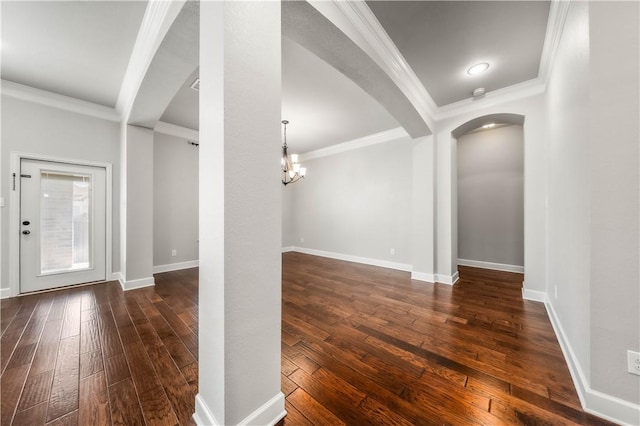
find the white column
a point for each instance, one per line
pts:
(424, 190)
(446, 209)
(136, 209)
(240, 214)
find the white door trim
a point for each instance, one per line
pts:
(14, 213)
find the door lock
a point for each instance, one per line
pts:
(26, 222)
(26, 232)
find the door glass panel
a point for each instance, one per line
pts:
(65, 222)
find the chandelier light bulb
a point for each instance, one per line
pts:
(292, 171)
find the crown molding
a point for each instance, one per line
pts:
(177, 131)
(511, 93)
(376, 138)
(558, 12)
(54, 100)
(359, 23)
(158, 18)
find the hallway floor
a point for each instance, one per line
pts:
(361, 345)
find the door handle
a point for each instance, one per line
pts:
(26, 232)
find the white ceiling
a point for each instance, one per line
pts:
(81, 49)
(184, 109)
(78, 49)
(323, 106)
(441, 39)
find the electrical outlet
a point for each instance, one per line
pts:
(633, 362)
(393, 252)
(555, 290)
(174, 252)
(301, 240)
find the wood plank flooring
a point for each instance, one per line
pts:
(360, 346)
(368, 346)
(94, 355)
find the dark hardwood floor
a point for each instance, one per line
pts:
(367, 346)
(360, 346)
(95, 355)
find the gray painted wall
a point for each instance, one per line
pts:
(491, 196)
(593, 193)
(614, 168)
(357, 203)
(37, 129)
(175, 200)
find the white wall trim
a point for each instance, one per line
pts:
(54, 100)
(595, 402)
(176, 266)
(116, 276)
(376, 138)
(270, 413)
(423, 276)
(555, 26)
(203, 416)
(5, 293)
(357, 259)
(139, 283)
(448, 279)
(491, 265)
(511, 93)
(158, 17)
(14, 212)
(534, 295)
(177, 131)
(288, 249)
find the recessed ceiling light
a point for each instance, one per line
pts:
(478, 68)
(488, 125)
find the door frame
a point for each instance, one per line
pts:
(14, 212)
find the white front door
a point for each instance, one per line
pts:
(62, 224)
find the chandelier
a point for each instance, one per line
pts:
(291, 169)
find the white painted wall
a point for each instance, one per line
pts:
(593, 203)
(240, 214)
(175, 200)
(491, 196)
(614, 168)
(568, 177)
(534, 128)
(38, 129)
(357, 203)
(137, 206)
(288, 215)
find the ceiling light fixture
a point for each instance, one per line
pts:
(478, 68)
(488, 125)
(292, 171)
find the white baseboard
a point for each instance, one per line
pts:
(534, 295)
(5, 293)
(269, 413)
(116, 276)
(357, 259)
(204, 416)
(133, 284)
(595, 402)
(423, 276)
(448, 279)
(491, 265)
(288, 249)
(176, 266)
